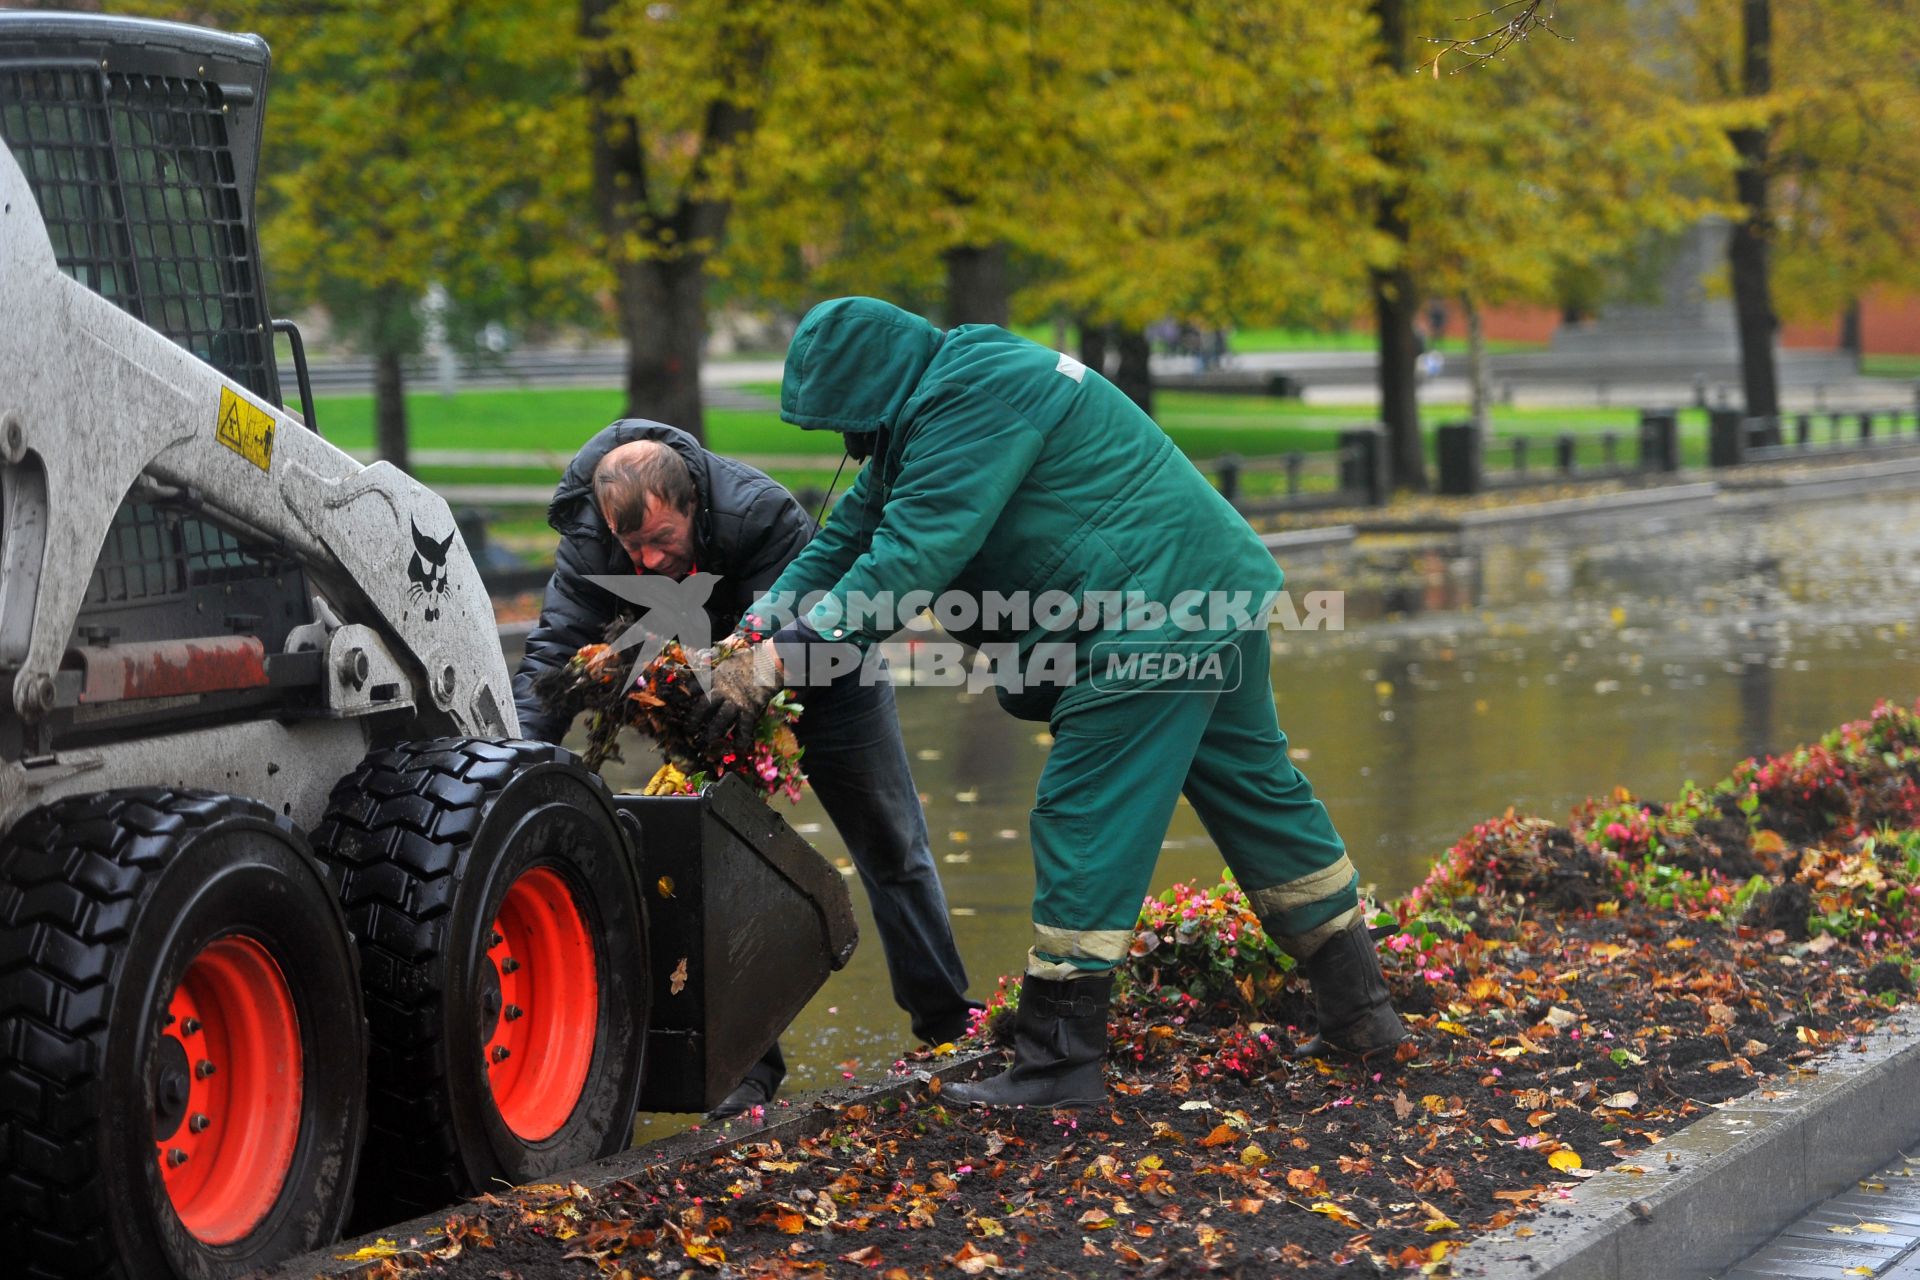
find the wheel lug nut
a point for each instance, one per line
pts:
(495, 938)
(514, 1012)
(191, 1026)
(175, 1158)
(198, 1124)
(204, 1069)
(509, 965)
(501, 1053)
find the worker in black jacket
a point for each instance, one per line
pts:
(643, 497)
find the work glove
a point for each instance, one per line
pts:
(738, 690)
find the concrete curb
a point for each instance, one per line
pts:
(1723, 1186)
(807, 1115)
(1756, 488)
(1325, 537)
(1631, 502)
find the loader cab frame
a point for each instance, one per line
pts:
(141, 142)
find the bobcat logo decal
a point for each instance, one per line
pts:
(427, 572)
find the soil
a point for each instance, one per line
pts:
(1571, 1004)
(1578, 1032)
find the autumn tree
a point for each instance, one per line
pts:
(1545, 160)
(399, 151)
(674, 94)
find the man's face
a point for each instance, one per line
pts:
(662, 543)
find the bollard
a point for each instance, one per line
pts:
(1564, 449)
(1462, 464)
(1363, 463)
(1520, 455)
(1803, 430)
(1295, 461)
(1609, 448)
(1726, 438)
(1227, 467)
(1659, 440)
(1833, 427)
(1765, 430)
(1866, 427)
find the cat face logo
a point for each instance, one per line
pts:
(427, 572)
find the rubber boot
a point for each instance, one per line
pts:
(757, 1090)
(1059, 1048)
(1350, 997)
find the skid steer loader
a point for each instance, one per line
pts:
(292, 926)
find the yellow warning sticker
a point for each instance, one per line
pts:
(245, 429)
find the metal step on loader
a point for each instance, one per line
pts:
(293, 928)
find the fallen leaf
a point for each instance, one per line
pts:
(1621, 1101)
(380, 1248)
(677, 980)
(1565, 1159)
(1221, 1135)
(1442, 1223)
(1874, 1227)
(1338, 1214)
(973, 1262)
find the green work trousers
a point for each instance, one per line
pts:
(1108, 791)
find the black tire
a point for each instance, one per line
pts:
(105, 901)
(424, 840)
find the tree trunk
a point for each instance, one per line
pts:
(662, 290)
(1747, 248)
(390, 409)
(663, 316)
(1852, 333)
(1394, 303)
(977, 285)
(1135, 374)
(1093, 347)
(1476, 364)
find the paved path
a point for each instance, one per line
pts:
(1870, 1229)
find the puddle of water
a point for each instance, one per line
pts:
(1529, 670)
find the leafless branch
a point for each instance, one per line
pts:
(1497, 29)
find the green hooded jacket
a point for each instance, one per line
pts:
(1008, 468)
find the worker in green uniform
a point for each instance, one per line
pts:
(1017, 476)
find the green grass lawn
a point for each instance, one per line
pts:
(559, 420)
(1890, 366)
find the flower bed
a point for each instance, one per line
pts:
(1578, 993)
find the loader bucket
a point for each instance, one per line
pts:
(745, 922)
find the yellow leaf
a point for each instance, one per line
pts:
(1875, 1227)
(1454, 1027)
(1252, 1155)
(1442, 1224)
(1565, 1159)
(1841, 1231)
(1338, 1214)
(380, 1248)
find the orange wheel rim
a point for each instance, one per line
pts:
(226, 1090)
(540, 1003)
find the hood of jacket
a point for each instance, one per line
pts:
(572, 512)
(853, 365)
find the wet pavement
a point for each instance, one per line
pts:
(1871, 1229)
